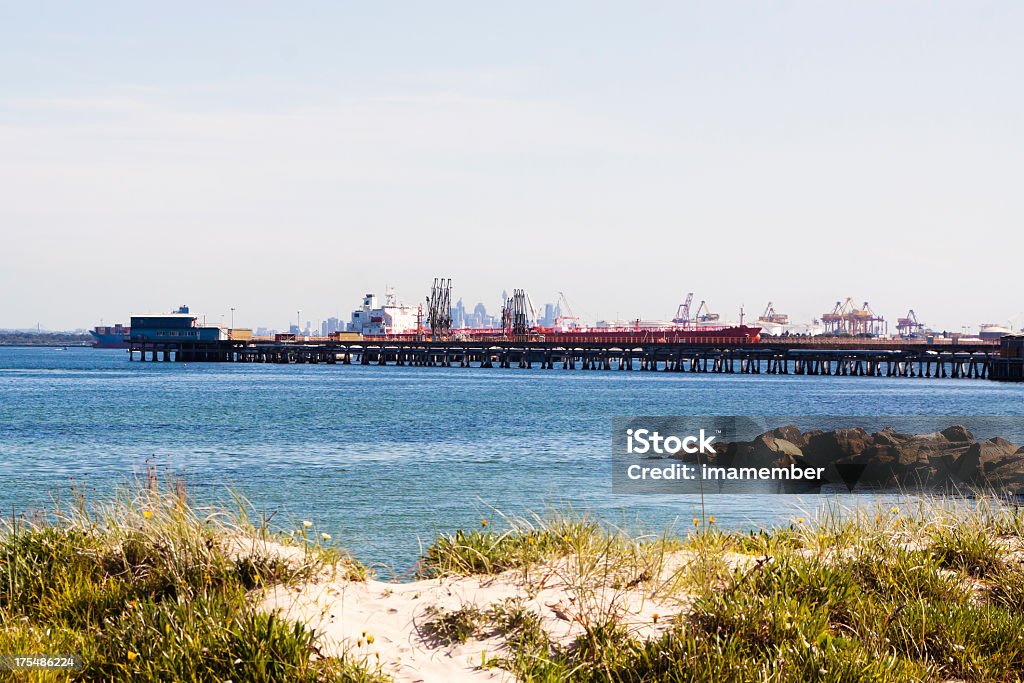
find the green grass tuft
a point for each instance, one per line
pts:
(932, 590)
(972, 549)
(145, 587)
(455, 626)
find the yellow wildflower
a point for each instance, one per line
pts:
(132, 655)
(148, 514)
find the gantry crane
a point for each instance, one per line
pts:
(570, 321)
(909, 325)
(683, 312)
(704, 314)
(770, 316)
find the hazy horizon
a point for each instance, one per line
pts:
(273, 158)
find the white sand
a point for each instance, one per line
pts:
(346, 613)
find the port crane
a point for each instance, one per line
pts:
(683, 312)
(563, 321)
(909, 325)
(707, 316)
(846, 319)
(770, 316)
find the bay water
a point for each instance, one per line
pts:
(385, 458)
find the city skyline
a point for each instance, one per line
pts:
(796, 153)
(315, 320)
(480, 314)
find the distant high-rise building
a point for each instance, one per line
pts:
(459, 315)
(480, 317)
(549, 316)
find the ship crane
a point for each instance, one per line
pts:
(683, 312)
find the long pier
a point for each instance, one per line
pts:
(843, 358)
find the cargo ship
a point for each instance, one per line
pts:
(107, 337)
(396, 322)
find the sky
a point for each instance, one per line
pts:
(276, 157)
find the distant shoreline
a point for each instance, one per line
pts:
(22, 338)
(76, 344)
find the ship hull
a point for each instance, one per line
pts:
(109, 339)
(633, 336)
(739, 334)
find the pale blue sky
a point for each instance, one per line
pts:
(277, 156)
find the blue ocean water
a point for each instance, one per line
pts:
(384, 458)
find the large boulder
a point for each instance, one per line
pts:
(881, 467)
(806, 437)
(770, 445)
(889, 458)
(790, 433)
(983, 457)
(828, 447)
(764, 451)
(920, 449)
(890, 437)
(927, 474)
(957, 434)
(1008, 474)
(1000, 445)
(788, 448)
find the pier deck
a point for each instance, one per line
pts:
(838, 357)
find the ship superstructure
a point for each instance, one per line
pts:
(393, 317)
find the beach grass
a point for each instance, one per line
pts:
(928, 590)
(146, 587)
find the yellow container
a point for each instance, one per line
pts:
(345, 336)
